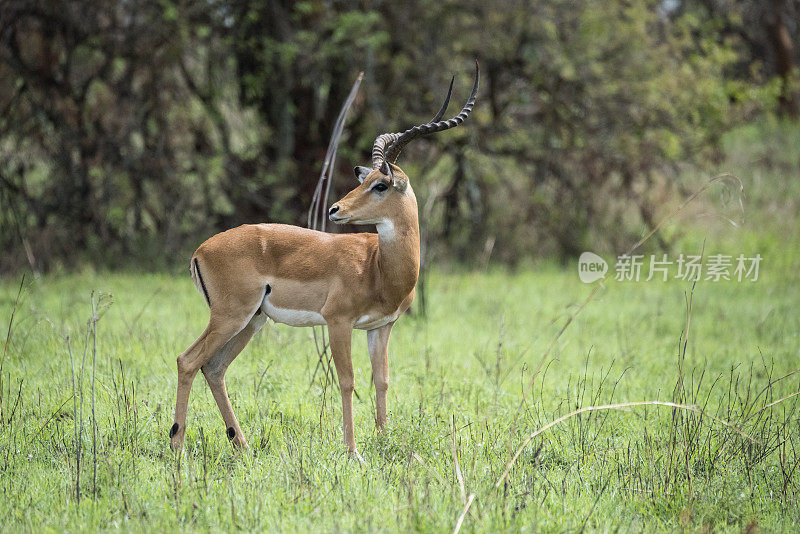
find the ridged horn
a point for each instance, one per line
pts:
(399, 142)
(379, 148)
(390, 143)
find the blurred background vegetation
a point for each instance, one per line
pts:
(132, 130)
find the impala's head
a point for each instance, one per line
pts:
(385, 191)
(380, 196)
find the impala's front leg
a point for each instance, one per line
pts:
(378, 343)
(340, 335)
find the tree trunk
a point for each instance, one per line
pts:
(784, 57)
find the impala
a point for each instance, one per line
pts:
(302, 277)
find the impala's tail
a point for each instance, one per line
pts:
(197, 278)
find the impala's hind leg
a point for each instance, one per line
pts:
(214, 371)
(221, 328)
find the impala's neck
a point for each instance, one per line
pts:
(398, 248)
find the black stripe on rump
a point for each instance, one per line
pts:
(202, 284)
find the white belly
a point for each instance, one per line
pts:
(311, 318)
(291, 317)
(370, 322)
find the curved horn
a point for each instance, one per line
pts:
(384, 140)
(440, 114)
(434, 126)
(379, 148)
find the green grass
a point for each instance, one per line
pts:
(457, 381)
(463, 365)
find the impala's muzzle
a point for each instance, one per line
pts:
(332, 215)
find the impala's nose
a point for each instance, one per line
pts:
(335, 215)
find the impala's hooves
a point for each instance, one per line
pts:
(175, 437)
(237, 439)
(355, 456)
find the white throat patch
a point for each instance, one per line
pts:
(385, 229)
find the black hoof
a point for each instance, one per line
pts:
(231, 433)
(173, 430)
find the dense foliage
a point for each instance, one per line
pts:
(132, 130)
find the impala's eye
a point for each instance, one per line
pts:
(380, 187)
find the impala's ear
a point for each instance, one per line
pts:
(361, 173)
(400, 183)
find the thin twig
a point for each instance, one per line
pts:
(464, 513)
(768, 386)
(771, 404)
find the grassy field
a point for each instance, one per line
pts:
(458, 411)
